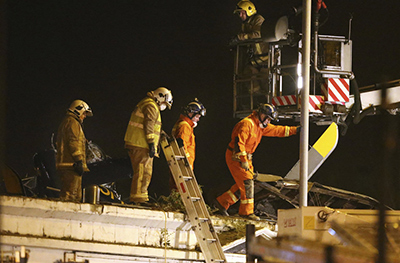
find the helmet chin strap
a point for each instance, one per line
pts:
(262, 125)
(193, 115)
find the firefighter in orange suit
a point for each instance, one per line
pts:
(245, 138)
(71, 151)
(183, 129)
(142, 138)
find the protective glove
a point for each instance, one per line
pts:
(78, 167)
(245, 165)
(298, 129)
(152, 150)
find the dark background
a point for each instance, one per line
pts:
(110, 53)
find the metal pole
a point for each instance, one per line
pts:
(250, 236)
(3, 83)
(306, 40)
(388, 135)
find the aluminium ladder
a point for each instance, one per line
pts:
(192, 198)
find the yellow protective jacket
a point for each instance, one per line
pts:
(144, 125)
(183, 129)
(251, 28)
(247, 134)
(71, 143)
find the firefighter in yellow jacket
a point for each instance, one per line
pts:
(183, 129)
(258, 53)
(251, 26)
(142, 138)
(246, 136)
(71, 151)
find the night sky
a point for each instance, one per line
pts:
(110, 53)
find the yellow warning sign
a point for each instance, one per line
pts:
(309, 222)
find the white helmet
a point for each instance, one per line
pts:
(163, 98)
(78, 107)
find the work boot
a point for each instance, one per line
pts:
(251, 217)
(221, 209)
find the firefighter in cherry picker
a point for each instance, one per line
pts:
(246, 136)
(71, 151)
(142, 138)
(257, 61)
(184, 130)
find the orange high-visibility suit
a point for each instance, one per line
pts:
(246, 136)
(183, 129)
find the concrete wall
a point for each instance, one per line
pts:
(54, 231)
(58, 227)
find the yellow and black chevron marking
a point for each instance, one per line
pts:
(317, 155)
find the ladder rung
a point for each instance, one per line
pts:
(201, 225)
(195, 198)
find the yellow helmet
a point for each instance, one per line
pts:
(247, 6)
(79, 107)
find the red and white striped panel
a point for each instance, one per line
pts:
(314, 102)
(284, 100)
(336, 89)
